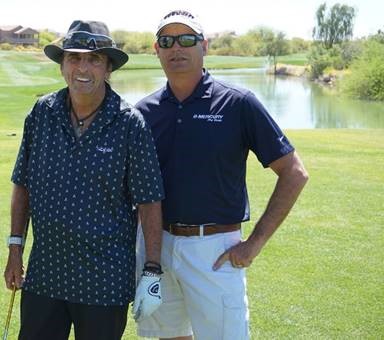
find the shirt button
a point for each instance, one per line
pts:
(180, 106)
(179, 120)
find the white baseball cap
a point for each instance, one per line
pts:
(181, 17)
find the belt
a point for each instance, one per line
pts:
(197, 230)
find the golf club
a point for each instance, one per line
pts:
(8, 320)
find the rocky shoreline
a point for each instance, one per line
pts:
(327, 79)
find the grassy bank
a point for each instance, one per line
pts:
(320, 276)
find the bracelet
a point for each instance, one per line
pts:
(150, 274)
(153, 267)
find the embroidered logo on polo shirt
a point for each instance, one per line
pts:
(104, 149)
(209, 118)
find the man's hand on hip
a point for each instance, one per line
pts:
(240, 255)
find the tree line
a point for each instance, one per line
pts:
(332, 48)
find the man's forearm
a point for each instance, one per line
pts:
(288, 187)
(19, 209)
(151, 222)
(13, 274)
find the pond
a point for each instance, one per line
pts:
(293, 102)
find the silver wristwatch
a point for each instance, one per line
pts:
(16, 240)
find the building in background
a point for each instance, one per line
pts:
(19, 35)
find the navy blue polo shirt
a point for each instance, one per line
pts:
(82, 193)
(203, 144)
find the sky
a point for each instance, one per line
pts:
(296, 18)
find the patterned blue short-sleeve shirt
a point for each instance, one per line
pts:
(82, 193)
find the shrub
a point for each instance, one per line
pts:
(366, 80)
(319, 60)
(6, 47)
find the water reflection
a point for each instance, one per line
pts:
(133, 85)
(293, 102)
(329, 111)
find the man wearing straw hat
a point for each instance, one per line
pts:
(86, 168)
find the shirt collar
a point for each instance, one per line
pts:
(112, 106)
(56, 102)
(203, 89)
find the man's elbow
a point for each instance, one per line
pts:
(301, 176)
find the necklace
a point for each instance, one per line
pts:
(79, 128)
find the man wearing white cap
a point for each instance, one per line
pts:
(204, 130)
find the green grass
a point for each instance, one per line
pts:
(142, 61)
(321, 276)
(299, 59)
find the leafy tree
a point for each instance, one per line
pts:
(379, 36)
(243, 46)
(119, 37)
(266, 42)
(334, 26)
(274, 45)
(134, 42)
(46, 37)
(366, 80)
(319, 60)
(222, 45)
(349, 51)
(298, 45)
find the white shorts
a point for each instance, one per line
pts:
(211, 303)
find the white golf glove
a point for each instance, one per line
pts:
(148, 296)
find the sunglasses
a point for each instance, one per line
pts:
(184, 40)
(85, 40)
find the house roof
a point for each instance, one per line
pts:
(26, 30)
(10, 28)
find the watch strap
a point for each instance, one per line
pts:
(16, 240)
